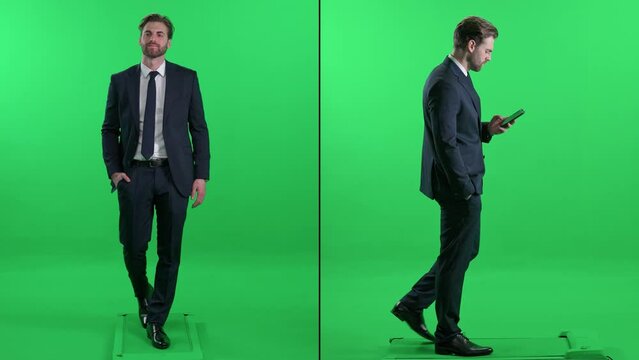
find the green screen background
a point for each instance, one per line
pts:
(559, 235)
(249, 260)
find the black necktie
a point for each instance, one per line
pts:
(148, 129)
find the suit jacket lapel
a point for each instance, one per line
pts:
(169, 91)
(476, 102)
(463, 80)
(133, 87)
(476, 99)
(465, 83)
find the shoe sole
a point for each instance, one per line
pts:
(396, 315)
(444, 352)
(403, 320)
(450, 352)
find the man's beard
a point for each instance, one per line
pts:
(476, 67)
(153, 52)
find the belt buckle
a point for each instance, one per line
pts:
(155, 163)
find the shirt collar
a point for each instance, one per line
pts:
(145, 70)
(461, 67)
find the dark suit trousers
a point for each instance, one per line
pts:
(152, 189)
(442, 284)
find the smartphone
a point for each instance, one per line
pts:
(512, 117)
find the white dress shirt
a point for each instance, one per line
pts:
(159, 150)
(461, 67)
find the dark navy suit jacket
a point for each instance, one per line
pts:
(183, 115)
(452, 158)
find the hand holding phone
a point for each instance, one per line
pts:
(512, 117)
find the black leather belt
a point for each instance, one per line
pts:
(150, 163)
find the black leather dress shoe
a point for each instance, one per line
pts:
(158, 337)
(143, 310)
(414, 319)
(143, 306)
(461, 346)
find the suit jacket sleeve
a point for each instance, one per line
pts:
(199, 133)
(443, 106)
(111, 146)
(485, 134)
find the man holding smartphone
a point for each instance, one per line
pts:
(452, 172)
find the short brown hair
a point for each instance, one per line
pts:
(157, 18)
(473, 28)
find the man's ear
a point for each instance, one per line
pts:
(168, 44)
(471, 46)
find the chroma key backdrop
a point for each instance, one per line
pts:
(249, 257)
(559, 238)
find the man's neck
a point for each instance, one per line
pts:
(153, 63)
(460, 56)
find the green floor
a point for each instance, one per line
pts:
(70, 311)
(568, 345)
(357, 323)
(132, 343)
